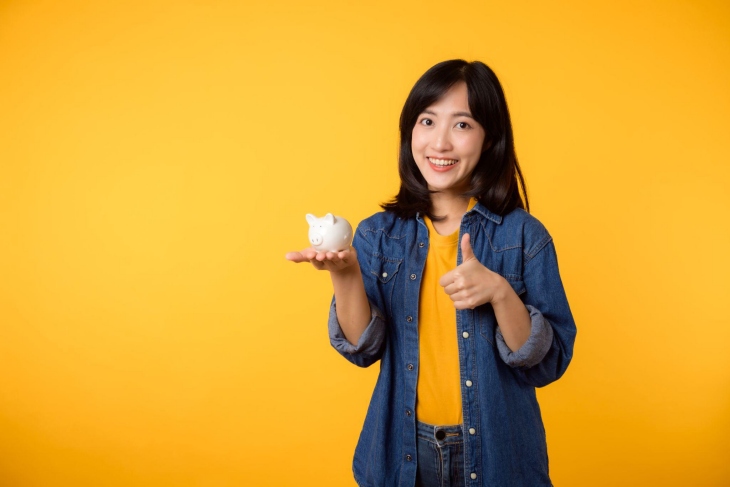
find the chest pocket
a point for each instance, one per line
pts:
(485, 315)
(384, 268)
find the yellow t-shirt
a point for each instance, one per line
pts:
(439, 383)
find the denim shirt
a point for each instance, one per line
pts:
(504, 437)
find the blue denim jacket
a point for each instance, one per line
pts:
(504, 435)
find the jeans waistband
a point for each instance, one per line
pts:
(442, 435)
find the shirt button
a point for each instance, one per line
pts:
(473, 476)
(409, 458)
(468, 383)
(385, 274)
(408, 412)
(413, 277)
(465, 334)
(409, 318)
(421, 244)
(472, 431)
(410, 367)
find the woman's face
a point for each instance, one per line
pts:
(447, 142)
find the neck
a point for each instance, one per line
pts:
(450, 206)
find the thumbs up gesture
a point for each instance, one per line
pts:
(471, 284)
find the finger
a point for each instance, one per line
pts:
(305, 255)
(296, 257)
(466, 251)
(348, 256)
(321, 256)
(446, 279)
(452, 288)
(309, 253)
(459, 296)
(461, 305)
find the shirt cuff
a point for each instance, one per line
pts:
(370, 340)
(536, 346)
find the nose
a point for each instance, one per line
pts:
(442, 139)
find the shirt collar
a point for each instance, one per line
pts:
(478, 208)
(483, 211)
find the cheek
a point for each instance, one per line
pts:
(418, 141)
(472, 146)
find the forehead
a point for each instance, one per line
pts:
(454, 102)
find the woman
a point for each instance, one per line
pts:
(455, 289)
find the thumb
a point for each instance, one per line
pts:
(466, 251)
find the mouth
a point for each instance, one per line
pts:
(442, 164)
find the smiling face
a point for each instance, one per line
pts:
(447, 142)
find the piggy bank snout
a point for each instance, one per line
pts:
(316, 239)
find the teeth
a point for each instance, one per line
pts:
(442, 162)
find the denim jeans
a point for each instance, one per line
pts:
(440, 452)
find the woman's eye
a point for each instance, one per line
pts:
(462, 125)
(426, 121)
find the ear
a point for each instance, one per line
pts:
(311, 219)
(329, 219)
(487, 145)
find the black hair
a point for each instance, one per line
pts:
(497, 180)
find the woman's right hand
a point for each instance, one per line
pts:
(335, 262)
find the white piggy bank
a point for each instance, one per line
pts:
(329, 233)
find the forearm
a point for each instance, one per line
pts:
(353, 308)
(512, 317)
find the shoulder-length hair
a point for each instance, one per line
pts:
(497, 180)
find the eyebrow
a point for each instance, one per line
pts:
(455, 114)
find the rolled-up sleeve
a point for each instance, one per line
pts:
(368, 348)
(548, 351)
(536, 346)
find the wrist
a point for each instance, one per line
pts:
(502, 292)
(349, 273)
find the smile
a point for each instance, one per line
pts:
(442, 162)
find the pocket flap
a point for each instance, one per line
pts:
(384, 268)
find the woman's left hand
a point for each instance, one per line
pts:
(471, 284)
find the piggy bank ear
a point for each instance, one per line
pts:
(329, 219)
(311, 219)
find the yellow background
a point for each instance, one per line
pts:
(156, 162)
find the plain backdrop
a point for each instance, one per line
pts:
(157, 159)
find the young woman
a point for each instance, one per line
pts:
(455, 289)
